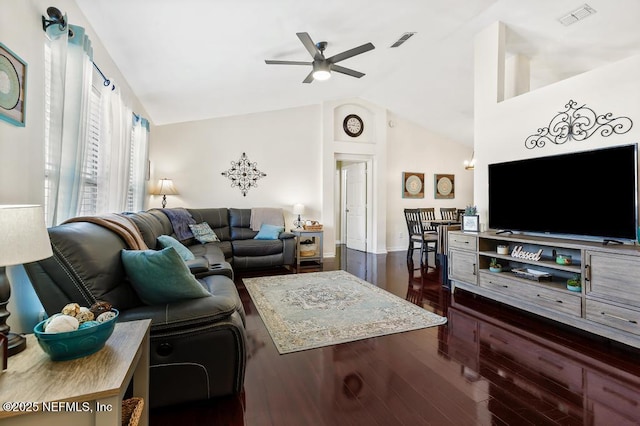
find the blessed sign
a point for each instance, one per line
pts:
(528, 255)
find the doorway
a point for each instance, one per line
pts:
(354, 212)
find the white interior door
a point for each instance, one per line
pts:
(356, 206)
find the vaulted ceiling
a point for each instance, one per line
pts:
(196, 59)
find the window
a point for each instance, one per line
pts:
(91, 164)
(95, 147)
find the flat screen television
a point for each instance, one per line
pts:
(589, 194)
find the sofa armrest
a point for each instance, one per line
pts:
(186, 314)
(220, 268)
(285, 235)
(198, 265)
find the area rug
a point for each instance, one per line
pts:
(312, 310)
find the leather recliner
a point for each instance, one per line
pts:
(197, 346)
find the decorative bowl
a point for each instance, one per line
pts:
(77, 343)
(563, 259)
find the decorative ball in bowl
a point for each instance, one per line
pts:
(69, 345)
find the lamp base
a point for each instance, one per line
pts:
(16, 343)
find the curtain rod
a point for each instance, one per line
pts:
(107, 82)
(57, 17)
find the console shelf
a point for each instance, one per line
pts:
(608, 303)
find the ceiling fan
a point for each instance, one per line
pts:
(322, 66)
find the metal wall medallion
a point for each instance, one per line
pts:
(244, 174)
(577, 123)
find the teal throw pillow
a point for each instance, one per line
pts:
(203, 233)
(160, 277)
(269, 232)
(167, 241)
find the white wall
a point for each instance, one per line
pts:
(370, 146)
(22, 148)
(285, 145)
(502, 127)
(415, 149)
(289, 145)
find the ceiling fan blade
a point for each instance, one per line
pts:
(347, 71)
(351, 52)
(275, 62)
(309, 78)
(305, 38)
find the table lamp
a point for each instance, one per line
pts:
(298, 209)
(24, 239)
(165, 187)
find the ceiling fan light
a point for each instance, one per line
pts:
(321, 71)
(321, 75)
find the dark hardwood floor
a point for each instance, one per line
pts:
(489, 365)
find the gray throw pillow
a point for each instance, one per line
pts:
(203, 233)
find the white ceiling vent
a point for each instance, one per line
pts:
(404, 37)
(577, 15)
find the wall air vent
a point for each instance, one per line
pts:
(404, 37)
(577, 15)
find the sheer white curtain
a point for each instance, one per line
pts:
(114, 168)
(96, 150)
(68, 85)
(139, 163)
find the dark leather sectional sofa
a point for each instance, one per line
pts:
(198, 346)
(232, 226)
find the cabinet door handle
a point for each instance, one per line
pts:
(619, 318)
(587, 272)
(474, 269)
(551, 299)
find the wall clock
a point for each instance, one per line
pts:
(353, 125)
(444, 186)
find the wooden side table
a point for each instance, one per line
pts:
(85, 391)
(302, 234)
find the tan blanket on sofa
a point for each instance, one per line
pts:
(268, 215)
(119, 224)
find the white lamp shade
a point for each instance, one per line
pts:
(298, 209)
(24, 236)
(165, 187)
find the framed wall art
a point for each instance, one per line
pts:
(470, 223)
(412, 185)
(13, 85)
(444, 186)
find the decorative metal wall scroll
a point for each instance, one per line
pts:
(577, 123)
(244, 174)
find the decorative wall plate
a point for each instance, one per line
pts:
(412, 185)
(444, 186)
(9, 84)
